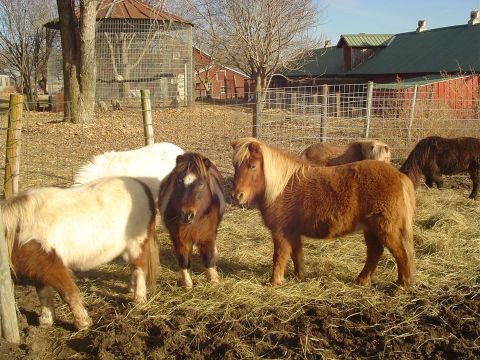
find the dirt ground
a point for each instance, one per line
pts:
(242, 318)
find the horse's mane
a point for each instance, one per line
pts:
(278, 166)
(417, 158)
(374, 149)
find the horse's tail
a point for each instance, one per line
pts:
(153, 259)
(94, 169)
(15, 210)
(407, 226)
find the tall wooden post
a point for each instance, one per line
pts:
(257, 115)
(366, 129)
(324, 114)
(147, 116)
(412, 112)
(12, 153)
(8, 315)
(338, 104)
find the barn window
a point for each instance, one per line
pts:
(222, 89)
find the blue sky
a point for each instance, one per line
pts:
(389, 16)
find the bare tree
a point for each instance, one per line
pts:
(257, 36)
(25, 44)
(77, 32)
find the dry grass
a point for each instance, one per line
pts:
(241, 317)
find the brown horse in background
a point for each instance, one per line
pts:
(191, 205)
(435, 155)
(297, 198)
(326, 154)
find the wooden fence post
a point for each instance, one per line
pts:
(293, 102)
(324, 114)
(412, 112)
(12, 152)
(257, 115)
(147, 116)
(366, 130)
(8, 313)
(338, 103)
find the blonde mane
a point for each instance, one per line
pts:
(375, 150)
(278, 166)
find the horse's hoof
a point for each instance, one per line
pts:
(363, 281)
(139, 300)
(83, 324)
(212, 275)
(275, 282)
(45, 321)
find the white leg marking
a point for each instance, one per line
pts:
(186, 279)
(140, 295)
(212, 275)
(82, 320)
(47, 311)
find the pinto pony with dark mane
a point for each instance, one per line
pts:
(51, 231)
(326, 154)
(297, 198)
(435, 155)
(191, 205)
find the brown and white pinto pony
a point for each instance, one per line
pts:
(326, 154)
(435, 155)
(51, 231)
(298, 198)
(191, 206)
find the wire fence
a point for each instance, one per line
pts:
(295, 118)
(52, 150)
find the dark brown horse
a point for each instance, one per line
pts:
(191, 205)
(296, 198)
(435, 155)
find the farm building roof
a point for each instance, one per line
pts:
(324, 61)
(421, 80)
(364, 40)
(128, 9)
(449, 49)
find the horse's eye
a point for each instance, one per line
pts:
(251, 166)
(179, 181)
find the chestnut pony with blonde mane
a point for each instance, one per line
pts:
(334, 154)
(192, 203)
(297, 198)
(435, 155)
(51, 231)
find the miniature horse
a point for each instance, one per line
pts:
(192, 203)
(326, 154)
(297, 198)
(434, 156)
(150, 164)
(50, 231)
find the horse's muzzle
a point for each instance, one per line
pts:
(187, 216)
(239, 197)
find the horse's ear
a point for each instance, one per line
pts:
(207, 163)
(386, 148)
(179, 159)
(234, 143)
(254, 148)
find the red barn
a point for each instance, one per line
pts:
(217, 81)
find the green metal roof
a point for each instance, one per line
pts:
(450, 49)
(323, 62)
(364, 40)
(421, 80)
